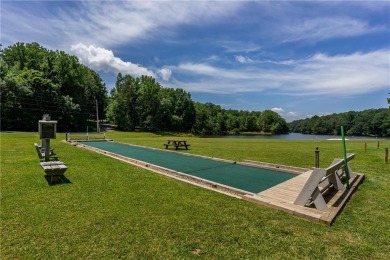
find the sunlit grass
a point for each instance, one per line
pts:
(114, 210)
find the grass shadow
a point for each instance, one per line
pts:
(57, 180)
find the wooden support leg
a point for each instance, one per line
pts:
(319, 200)
(335, 180)
(351, 174)
(310, 186)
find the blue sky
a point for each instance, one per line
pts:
(298, 58)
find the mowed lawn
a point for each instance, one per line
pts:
(114, 210)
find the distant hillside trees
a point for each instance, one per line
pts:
(372, 122)
(35, 81)
(141, 103)
(213, 120)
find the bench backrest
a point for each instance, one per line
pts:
(337, 164)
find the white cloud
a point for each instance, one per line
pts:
(200, 68)
(240, 46)
(165, 73)
(213, 58)
(352, 74)
(104, 60)
(292, 115)
(278, 110)
(323, 28)
(242, 59)
(321, 74)
(106, 23)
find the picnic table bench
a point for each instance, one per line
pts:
(41, 153)
(53, 169)
(177, 144)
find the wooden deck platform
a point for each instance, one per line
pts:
(282, 197)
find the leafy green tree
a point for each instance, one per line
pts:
(148, 103)
(232, 122)
(251, 123)
(184, 110)
(123, 103)
(272, 122)
(141, 103)
(201, 125)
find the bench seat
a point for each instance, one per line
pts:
(53, 167)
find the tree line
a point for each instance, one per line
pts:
(36, 81)
(211, 119)
(371, 122)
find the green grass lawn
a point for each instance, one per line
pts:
(115, 210)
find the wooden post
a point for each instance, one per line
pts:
(47, 149)
(386, 155)
(378, 144)
(365, 147)
(317, 158)
(97, 118)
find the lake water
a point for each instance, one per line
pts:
(297, 136)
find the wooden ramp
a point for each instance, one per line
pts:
(283, 196)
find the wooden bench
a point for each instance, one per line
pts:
(177, 144)
(41, 153)
(53, 169)
(321, 181)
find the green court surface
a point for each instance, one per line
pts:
(241, 177)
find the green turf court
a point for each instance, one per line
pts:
(251, 179)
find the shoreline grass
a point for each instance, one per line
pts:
(114, 210)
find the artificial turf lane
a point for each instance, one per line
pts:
(242, 177)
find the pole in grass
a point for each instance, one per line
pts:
(317, 158)
(345, 157)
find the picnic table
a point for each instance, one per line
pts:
(177, 144)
